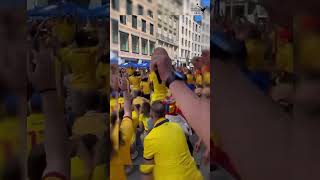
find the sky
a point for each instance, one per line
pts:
(204, 3)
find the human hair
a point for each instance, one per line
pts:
(89, 141)
(145, 109)
(121, 113)
(158, 109)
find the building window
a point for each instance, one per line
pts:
(152, 46)
(186, 44)
(182, 41)
(140, 10)
(186, 32)
(144, 44)
(182, 53)
(150, 13)
(124, 41)
(134, 22)
(151, 29)
(189, 34)
(135, 44)
(115, 4)
(144, 25)
(189, 44)
(129, 7)
(182, 29)
(123, 19)
(183, 18)
(115, 31)
(189, 23)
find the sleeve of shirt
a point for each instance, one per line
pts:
(127, 128)
(149, 149)
(146, 168)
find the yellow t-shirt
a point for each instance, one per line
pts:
(171, 160)
(284, 58)
(121, 102)
(100, 173)
(206, 78)
(130, 71)
(35, 127)
(65, 32)
(78, 169)
(135, 82)
(90, 123)
(83, 67)
(145, 87)
(113, 103)
(9, 139)
(117, 171)
(255, 54)
(190, 79)
(309, 51)
(126, 127)
(144, 120)
(160, 90)
(199, 79)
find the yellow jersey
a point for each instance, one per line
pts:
(255, 54)
(308, 51)
(78, 169)
(113, 103)
(130, 71)
(35, 127)
(65, 32)
(171, 160)
(90, 123)
(135, 82)
(284, 58)
(190, 79)
(83, 67)
(126, 127)
(120, 102)
(199, 80)
(9, 139)
(160, 90)
(144, 120)
(145, 87)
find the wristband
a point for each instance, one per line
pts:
(47, 90)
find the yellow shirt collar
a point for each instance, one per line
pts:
(160, 121)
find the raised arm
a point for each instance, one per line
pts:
(55, 137)
(124, 86)
(198, 118)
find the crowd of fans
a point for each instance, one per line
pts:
(68, 104)
(146, 115)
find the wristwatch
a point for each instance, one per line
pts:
(174, 75)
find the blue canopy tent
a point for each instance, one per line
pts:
(129, 64)
(59, 9)
(145, 65)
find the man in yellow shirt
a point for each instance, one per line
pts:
(82, 63)
(135, 80)
(167, 160)
(145, 88)
(160, 91)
